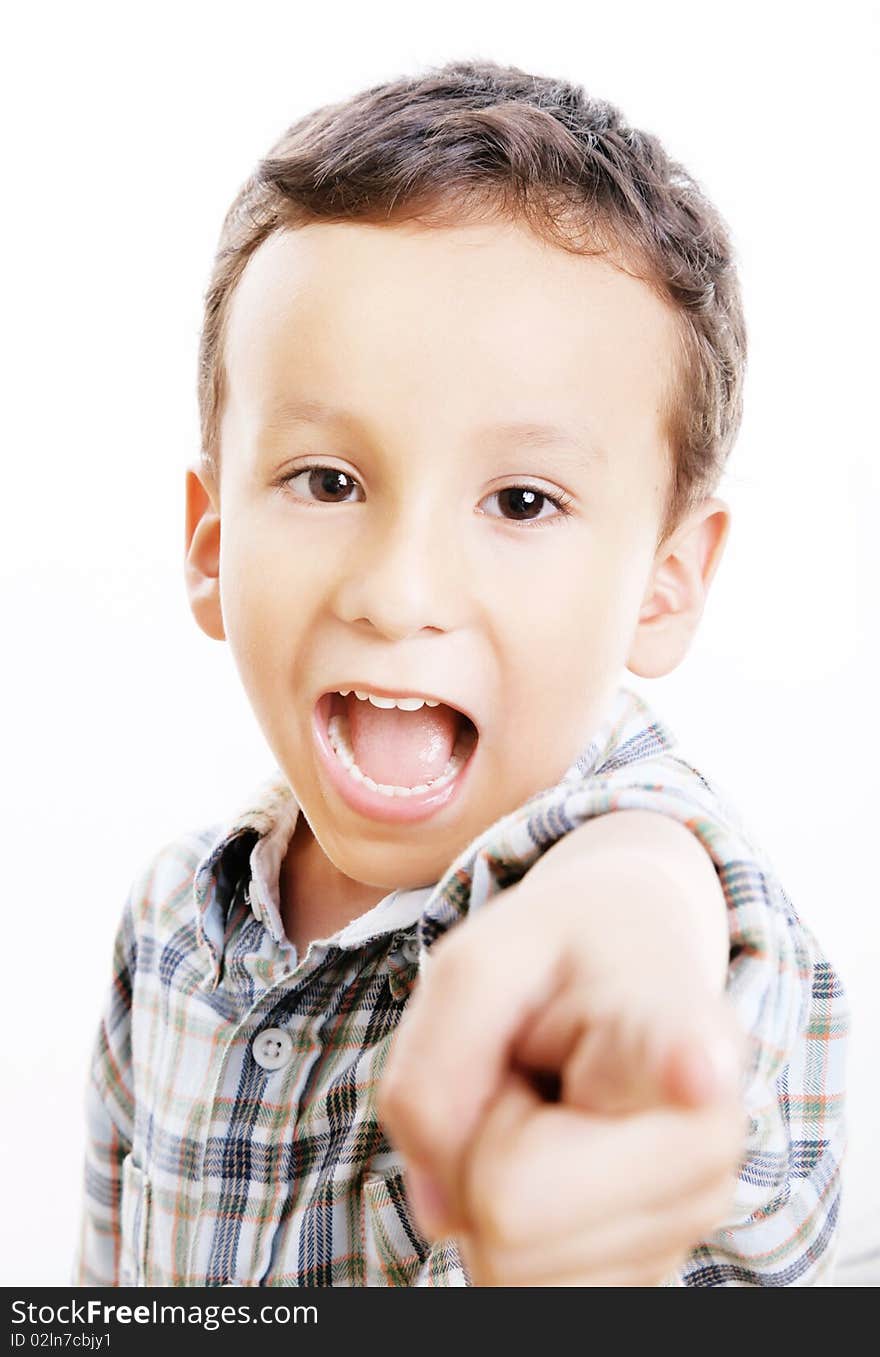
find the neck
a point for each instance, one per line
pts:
(317, 898)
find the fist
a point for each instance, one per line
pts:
(563, 1131)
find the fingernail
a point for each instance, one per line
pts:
(428, 1200)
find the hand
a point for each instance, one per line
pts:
(616, 1181)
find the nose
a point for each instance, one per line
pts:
(403, 577)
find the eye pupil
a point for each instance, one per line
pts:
(522, 499)
(328, 479)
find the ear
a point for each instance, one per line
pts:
(677, 590)
(202, 557)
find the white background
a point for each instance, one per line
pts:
(127, 131)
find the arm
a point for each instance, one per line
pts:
(741, 932)
(109, 1106)
(603, 964)
(647, 918)
(642, 893)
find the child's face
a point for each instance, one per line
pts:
(416, 574)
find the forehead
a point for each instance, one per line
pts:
(459, 324)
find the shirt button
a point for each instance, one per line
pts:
(411, 949)
(272, 1048)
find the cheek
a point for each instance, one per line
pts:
(262, 612)
(578, 602)
(573, 631)
(264, 571)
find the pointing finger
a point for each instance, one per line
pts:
(453, 1045)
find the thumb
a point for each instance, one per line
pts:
(701, 1068)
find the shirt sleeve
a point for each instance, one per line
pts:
(109, 1111)
(781, 1229)
(790, 1003)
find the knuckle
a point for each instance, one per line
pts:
(497, 1211)
(665, 1270)
(652, 1273)
(414, 1124)
(504, 1267)
(482, 1264)
(706, 1214)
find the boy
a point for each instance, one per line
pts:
(470, 369)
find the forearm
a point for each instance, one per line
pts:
(647, 897)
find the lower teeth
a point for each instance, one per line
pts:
(337, 730)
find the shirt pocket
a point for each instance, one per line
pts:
(394, 1250)
(134, 1224)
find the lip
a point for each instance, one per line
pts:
(376, 805)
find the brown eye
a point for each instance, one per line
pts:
(323, 484)
(525, 503)
(522, 502)
(320, 484)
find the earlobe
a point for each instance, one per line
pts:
(202, 556)
(680, 578)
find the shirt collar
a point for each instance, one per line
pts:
(257, 833)
(247, 855)
(258, 837)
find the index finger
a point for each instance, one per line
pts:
(452, 1048)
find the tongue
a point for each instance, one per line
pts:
(401, 748)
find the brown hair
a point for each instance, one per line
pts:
(473, 138)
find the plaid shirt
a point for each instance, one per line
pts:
(232, 1132)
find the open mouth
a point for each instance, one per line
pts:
(431, 766)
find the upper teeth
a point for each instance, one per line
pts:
(405, 703)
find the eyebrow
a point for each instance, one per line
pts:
(531, 434)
